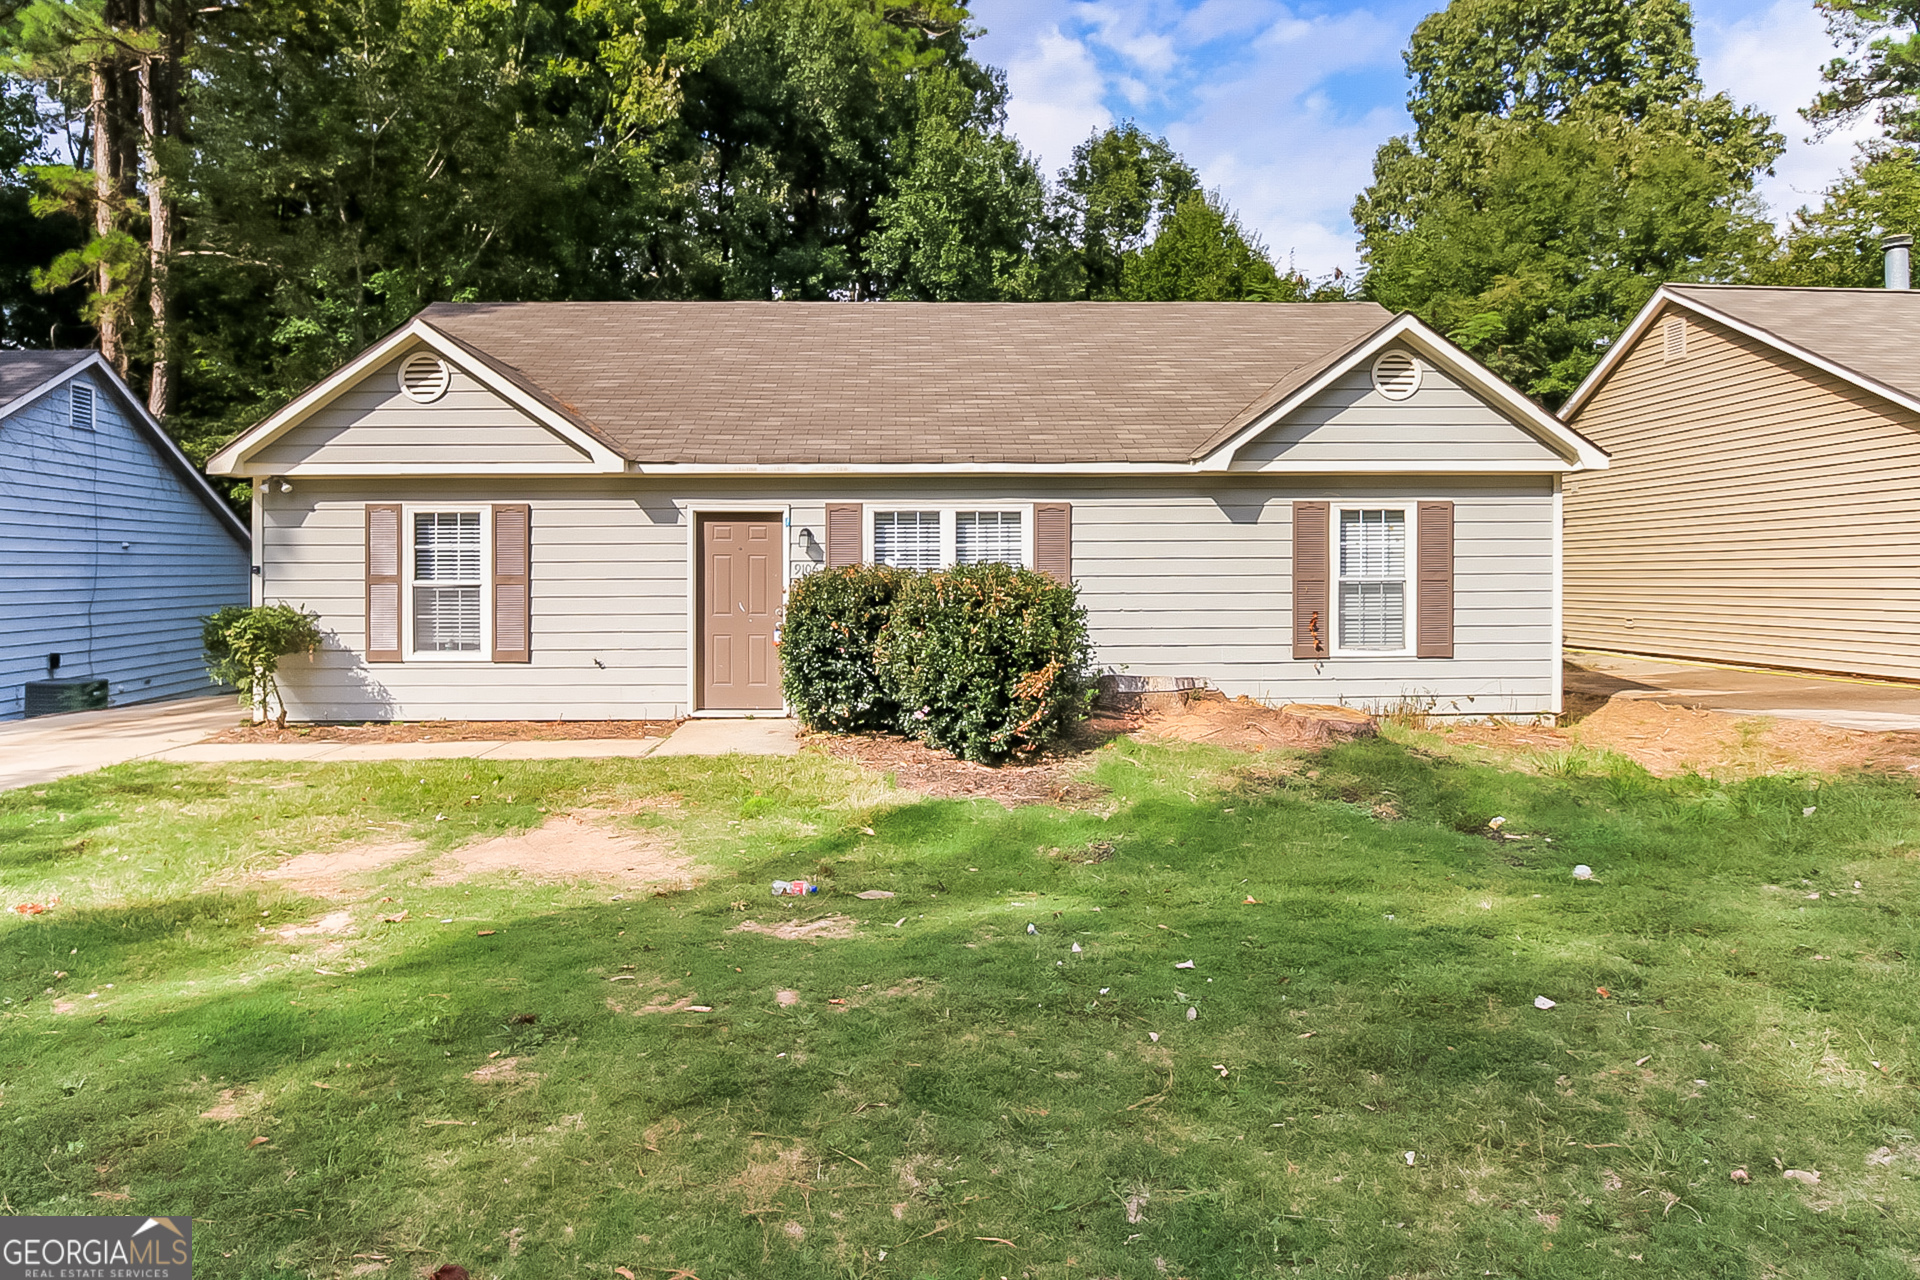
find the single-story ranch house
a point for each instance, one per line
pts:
(591, 510)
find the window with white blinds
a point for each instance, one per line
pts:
(984, 537)
(907, 539)
(449, 564)
(1371, 561)
(942, 536)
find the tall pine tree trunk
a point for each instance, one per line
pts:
(106, 201)
(159, 237)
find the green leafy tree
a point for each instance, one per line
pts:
(1121, 185)
(1203, 254)
(29, 243)
(960, 224)
(1839, 244)
(1880, 71)
(1564, 162)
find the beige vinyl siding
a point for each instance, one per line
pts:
(1758, 510)
(1180, 577)
(373, 424)
(1350, 423)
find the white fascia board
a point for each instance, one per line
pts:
(232, 459)
(1581, 454)
(1617, 352)
(145, 421)
(1902, 398)
(374, 470)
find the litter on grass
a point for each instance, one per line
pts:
(1541, 1002)
(874, 895)
(1032, 932)
(1583, 872)
(1409, 1157)
(1076, 948)
(1192, 1013)
(1184, 964)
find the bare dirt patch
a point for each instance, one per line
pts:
(825, 927)
(1671, 740)
(1241, 723)
(1052, 779)
(451, 731)
(501, 1071)
(332, 923)
(326, 873)
(232, 1104)
(573, 846)
(662, 1002)
(770, 1170)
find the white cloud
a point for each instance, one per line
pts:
(1057, 97)
(1771, 58)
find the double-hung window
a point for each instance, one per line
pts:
(449, 582)
(935, 537)
(1370, 566)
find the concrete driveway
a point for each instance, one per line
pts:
(1836, 700)
(49, 747)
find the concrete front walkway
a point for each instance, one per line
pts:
(49, 747)
(1836, 700)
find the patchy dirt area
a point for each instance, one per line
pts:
(825, 927)
(450, 731)
(1671, 740)
(575, 846)
(1241, 723)
(1052, 779)
(572, 846)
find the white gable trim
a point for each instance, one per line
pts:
(235, 458)
(170, 451)
(1580, 454)
(1665, 298)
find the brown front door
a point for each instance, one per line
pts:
(740, 599)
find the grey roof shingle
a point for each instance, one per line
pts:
(901, 383)
(1873, 332)
(22, 371)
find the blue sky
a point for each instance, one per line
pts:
(1281, 105)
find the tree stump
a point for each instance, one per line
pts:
(1318, 724)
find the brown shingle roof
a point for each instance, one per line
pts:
(900, 383)
(1873, 332)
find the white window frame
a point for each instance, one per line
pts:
(1410, 512)
(407, 512)
(949, 525)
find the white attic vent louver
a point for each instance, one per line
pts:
(1396, 375)
(424, 377)
(80, 405)
(1673, 340)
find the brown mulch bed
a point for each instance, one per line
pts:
(1051, 779)
(451, 731)
(1205, 715)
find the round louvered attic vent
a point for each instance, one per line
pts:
(1396, 375)
(424, 377)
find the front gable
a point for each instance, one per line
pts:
(374, 427)
(361, 421)
(1349, 424)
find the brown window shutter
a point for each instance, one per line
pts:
(1312, 624)
(512, 557)
(1434, 625)
(844, 534)
(383, 582)
(1053, 540)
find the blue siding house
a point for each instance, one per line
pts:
(112, 545)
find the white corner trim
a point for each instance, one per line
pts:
(232, 459)
(1664, 297)
(1580, 453)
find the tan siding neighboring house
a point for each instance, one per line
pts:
(1760, 509)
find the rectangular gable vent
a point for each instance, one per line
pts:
(1673, 337)
(80, 405)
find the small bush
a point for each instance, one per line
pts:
(245, 643)
(986, 661)
(833, 621)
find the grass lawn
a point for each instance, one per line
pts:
(1351, 1079)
